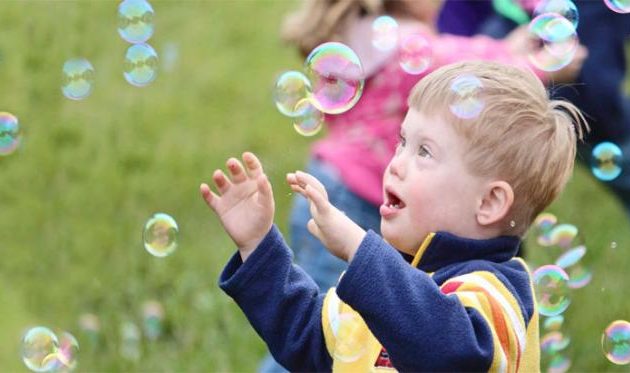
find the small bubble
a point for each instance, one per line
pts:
(415, 54)
(552, 290)
(10, 133)
(467, 101)
(141, 64)
(160, 235)
(77, 79)
(135, 21)
(616, 342)
(291, 88)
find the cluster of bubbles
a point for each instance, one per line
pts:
(333, 78)
(332, 84)
(160, 235)
(553, 283)
(606, 161)
(45, 351)
(135, 25)
(10, 133)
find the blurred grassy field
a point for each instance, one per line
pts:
(75, 197)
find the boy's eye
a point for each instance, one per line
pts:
(401, 140)
(423, 151)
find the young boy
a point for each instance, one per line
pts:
(441, 290)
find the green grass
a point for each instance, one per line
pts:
(90, 173)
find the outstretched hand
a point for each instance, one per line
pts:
(331, 226)
(244, 203)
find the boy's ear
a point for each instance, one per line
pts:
(495, 203)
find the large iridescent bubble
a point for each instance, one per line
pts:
(606, 161)
(336, 77)
(141, 64)
(616, 342)
(552, 291)
(557, 41)
(135, 20)
(10, 133)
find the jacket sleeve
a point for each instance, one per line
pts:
(469, 323)
(281, 302)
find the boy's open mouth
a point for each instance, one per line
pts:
(392, 200)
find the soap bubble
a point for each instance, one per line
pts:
(336, 77)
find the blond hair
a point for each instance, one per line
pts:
(318, 21)
(520, 135)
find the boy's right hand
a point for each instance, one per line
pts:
(244, 204)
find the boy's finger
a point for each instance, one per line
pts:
(221, 181)
(237, 173)
(265, 195)
(321, 202)
(313, 228)
(291, 179)
(252, 164)
(298, 189)
(208, 196)
(304, 178)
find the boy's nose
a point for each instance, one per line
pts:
(397, 166)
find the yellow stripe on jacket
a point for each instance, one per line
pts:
(515, 344)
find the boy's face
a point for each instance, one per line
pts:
(427, 186)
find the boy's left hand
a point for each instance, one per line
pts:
(331, 226)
